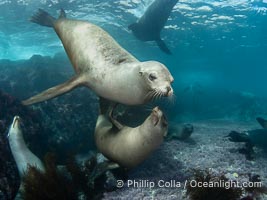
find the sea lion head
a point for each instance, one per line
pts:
(15, 126)
(157, 79)
(158, 122)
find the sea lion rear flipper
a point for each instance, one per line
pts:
(262, 122)
(55, 91)
(62, 14)
(163, 46)
(43, 18)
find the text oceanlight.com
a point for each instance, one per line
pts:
(192, 183)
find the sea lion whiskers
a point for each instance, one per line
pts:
(149, 107)
(150, 95)
(159, 94)
(172, 99)
(154, 94)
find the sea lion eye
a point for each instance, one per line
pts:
(152, 77)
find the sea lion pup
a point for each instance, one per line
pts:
(149, 26)
(130, 146)
(103, 65)
(21, 153)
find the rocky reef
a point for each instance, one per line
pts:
(69, 120)
(63, 125)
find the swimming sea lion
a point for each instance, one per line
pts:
(251, 138)
(21, 153)
(256, 137)
(103, 65)
(149, 26)
(130, 146)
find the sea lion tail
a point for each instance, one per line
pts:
(55, 91)
(163, 46)
(262, 122)
(43, 18)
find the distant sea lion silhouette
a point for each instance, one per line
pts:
(257, 137)
(180, 131)
(130, 146)
(149, 26)
(103, 65)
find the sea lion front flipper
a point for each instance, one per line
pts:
(115, 123)
(163, 46)
(55, 91)
(262, 122)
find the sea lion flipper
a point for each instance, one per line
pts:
(107, 106)
(55, 91)
(262, 122)
(115, 123)
(62, 14)
(43, 18)
(163, 46)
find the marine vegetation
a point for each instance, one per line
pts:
(255, 192)
(211, 193)
(86, 181)
(48, 185)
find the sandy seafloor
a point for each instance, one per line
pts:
(210, 150)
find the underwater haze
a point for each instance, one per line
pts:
(216, 119)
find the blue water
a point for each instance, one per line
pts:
(219, 44)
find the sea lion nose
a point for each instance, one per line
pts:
(156, 109)
(16, 121)
(169, 91)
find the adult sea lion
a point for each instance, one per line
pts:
(21, 153)
(130, 146)
(149, 26)
(103, 65)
